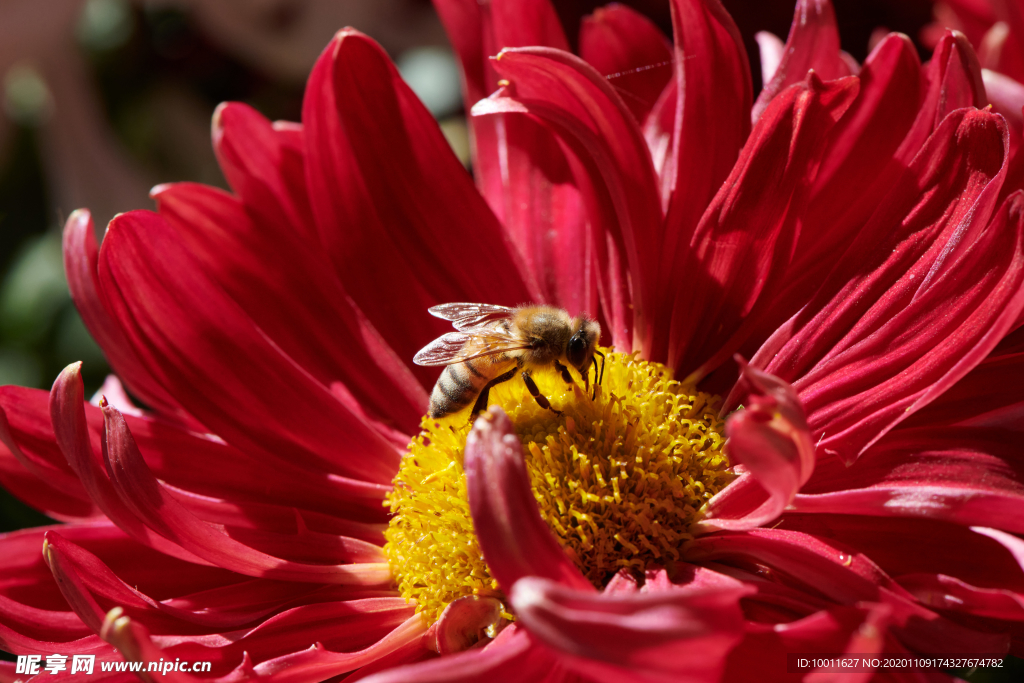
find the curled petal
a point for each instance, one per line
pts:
(954, 81)
(943, 592)
(71, 584)
(219, 608)
(813, 43)
(868, 136)
(320, 663)
(285, 649)
(769, 437)
(846, 577)
(673, 634)
(464, 622)
(514, 538)
(885, 128)
(478, 31)
(71, 431)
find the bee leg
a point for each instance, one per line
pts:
(481, 400)
(541, 399)
(598, 379)
(565, 373)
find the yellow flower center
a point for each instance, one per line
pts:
(619, 480)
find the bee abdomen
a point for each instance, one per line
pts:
(456, 388)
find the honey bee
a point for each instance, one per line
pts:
(493, 343)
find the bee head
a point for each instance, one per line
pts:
(580, 350)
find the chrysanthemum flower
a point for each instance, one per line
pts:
(852, 233)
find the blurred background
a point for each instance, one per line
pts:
(102, 99)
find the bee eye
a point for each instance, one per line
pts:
(577, 351)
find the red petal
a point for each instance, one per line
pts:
(289, 290)
(67, 410)
(303, 636)
(1012, 543)
(989, 396)
(948, 593)
(518, 165)
(954, 82)
(630, 51)
(927, 472)
(762, 655)
(865, 140)
(198, 463)
(36, 493)
(31, 465)
(746, 235)
(512, 535)
(264, 168)
(678, 633)
(533, 191)
(939, 188)
(219, 609)
(769, 438)
(813, 43)
(151, 501)
(1007, 97)
(26, 575)
(221, 364)
(713, 92)
(479, 31)
(902, 546)
(846, 577)
(389, 196)
(861, 164)
(611, 165)
(80, 266)
(929, 312)
(31, 607)
(512, 657)
(320, 663)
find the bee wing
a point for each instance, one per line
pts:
(466, 316)
(456, 347)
